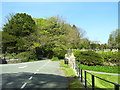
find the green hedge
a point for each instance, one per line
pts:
(112, 57)
(88, 57)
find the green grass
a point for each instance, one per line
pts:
(55, 59)
(98, 68)
(69, 71)
(103, 84)
(73, 82)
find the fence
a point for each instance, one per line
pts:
(83, 78)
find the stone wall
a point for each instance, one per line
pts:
(14, 61)
(70, 59)
(4, 61)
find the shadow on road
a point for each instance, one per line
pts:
(16, 80)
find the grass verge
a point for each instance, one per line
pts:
(69, 71)
(74, 82)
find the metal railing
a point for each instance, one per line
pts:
(84, 79)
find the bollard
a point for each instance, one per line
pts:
(85, 79)
(116, 87)
(81, 76)
(93, 82)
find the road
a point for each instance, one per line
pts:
(39, 74)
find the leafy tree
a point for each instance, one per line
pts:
(18, 26)
(55, 36)
(84, 43)
(50, 34)
(114, 39)
(103, 46)
(8, 42)
(74, 37)
(117, 39)
(93, 46)
(42, 37)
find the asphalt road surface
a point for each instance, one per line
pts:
(39, 74)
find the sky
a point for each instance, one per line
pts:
(98, 19)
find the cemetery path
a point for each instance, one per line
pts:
(39, 74)
(103, 73)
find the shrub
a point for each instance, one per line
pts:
(88, 57)
(10, 55)
(115, 57)
(55, 59)
(106, 55)
(25, 56)
(77, 54)
(112, 57)
(31, 60)
(59, 52)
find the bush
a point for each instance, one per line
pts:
(25, 56)
(77, 54)
(88, 57)
(31, 60)
(60, 53)
(55, 59)
(112, 57)
(9, 55)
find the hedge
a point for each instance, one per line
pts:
(88, 57)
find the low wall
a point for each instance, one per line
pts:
(14, 61)
(2, 61)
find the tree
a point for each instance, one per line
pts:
(18, 26)
(55, 36)
(114, 39)
(42, 37)
(8, 42)
(51, 33)
(117, 39)
(84, 43)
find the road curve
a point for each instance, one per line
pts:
(39, 74)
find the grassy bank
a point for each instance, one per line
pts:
(98, 68)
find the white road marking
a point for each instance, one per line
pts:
(23, 85)
(22, 67)
(42, 67)
(34, 73)
(30, 77)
